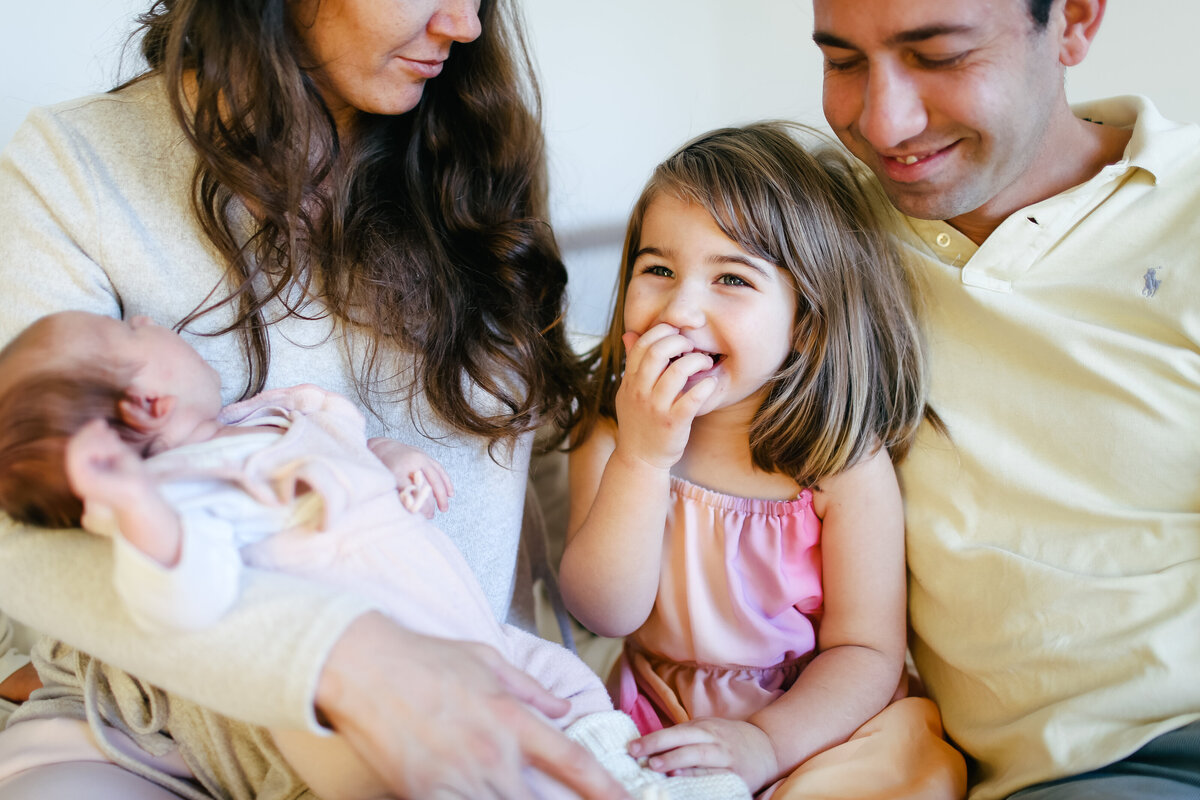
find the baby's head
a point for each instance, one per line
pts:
(785, 194)
(69, 368)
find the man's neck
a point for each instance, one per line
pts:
(1082, 149)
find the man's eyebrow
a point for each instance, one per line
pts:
(824, 39)
(926, 32)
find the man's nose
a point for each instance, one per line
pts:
(893, 108)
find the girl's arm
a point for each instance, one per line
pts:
(620, 481)
(860, 649)
(610, 567)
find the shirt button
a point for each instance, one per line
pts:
(943, 239)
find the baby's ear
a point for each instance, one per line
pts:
(144, 413)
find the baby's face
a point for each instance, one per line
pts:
(162, 363)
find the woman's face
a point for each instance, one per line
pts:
(375, 55)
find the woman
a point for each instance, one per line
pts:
(342, 192)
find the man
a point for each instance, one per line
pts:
(1054, 533)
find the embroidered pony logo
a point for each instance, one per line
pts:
(1151, 282)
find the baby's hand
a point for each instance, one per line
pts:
(707, 745)
(655, 406)
(103, 470)
(112, 480)
(414, 470)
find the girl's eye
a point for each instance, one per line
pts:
(658, 269)
(732, 280)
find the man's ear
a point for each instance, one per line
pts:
(143, 413)
(1081, 21)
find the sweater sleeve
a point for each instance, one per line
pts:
(191, 594)
(259, 663)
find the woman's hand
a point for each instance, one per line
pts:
(706, 745)
(414, 470)
(654, 412)
(19, 685)
(444, 719)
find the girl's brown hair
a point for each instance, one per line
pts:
(427, 229)
(855, 379)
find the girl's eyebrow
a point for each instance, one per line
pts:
(717, 260)
(736, 258)
(651, 251)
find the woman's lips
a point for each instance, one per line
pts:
(424, 69)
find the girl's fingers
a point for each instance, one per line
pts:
(669, 391)
(649, 353)
(692, 757)
(689, 403)
(664, 739)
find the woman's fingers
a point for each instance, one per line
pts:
(522, 686)
(438, 718)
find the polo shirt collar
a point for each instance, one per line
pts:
(1156, 143)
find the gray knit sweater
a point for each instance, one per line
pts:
(95, 214)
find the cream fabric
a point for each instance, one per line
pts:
(1054, 539)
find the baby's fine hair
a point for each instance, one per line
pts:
(855, 378)
(39, 412)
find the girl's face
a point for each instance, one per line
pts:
(375, 55)
(727, 303)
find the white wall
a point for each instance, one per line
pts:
(624, 82)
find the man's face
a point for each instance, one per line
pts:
(949, 102)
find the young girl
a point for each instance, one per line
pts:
(734, 511)
(119, 425)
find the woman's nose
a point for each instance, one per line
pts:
(457, 20)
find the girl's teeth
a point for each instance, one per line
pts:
(908, 159)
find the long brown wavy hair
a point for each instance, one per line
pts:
(428, 229)
(856, 377)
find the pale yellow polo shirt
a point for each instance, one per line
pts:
(1054, 539)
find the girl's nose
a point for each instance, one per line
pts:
(683, 309)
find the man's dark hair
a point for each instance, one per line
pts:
(1040, 11)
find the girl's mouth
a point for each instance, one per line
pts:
(717, 358)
